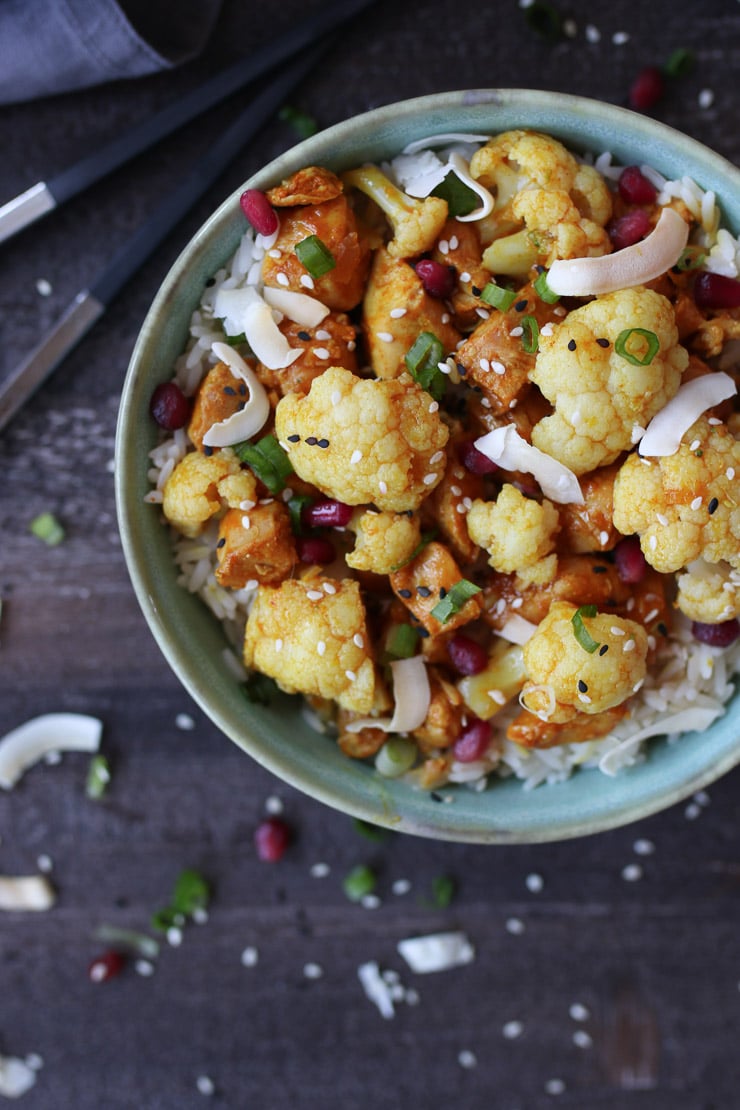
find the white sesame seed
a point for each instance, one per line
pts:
(252, 584)
(401, 886)
(274, 805)
(397, 313)
(319, 870)
(34, 1061)
(651, 616)
(515, 926)
(692, 811)
(467, 503)
(546, 329)
(336, 397)
(696, 503)
(245, 506)
(350, 675)
(185, 722)
(579, 1012)
(43, 287)
(328, 587)
(730, 473)
(702, 798)
(313, 971)
(695, 445)
(559, 310)
(307, 281)
(632, 873)
(485, 403)
(603, 538)
(554, 1087)
(322, 335)
(498, 696)
(205, 1085)
(412, 997)
(382, 486)
(512, 1029)
(355, 457)
(467, 1059)
(581, 1039)
(484, 364)
(465, 276)
(444, 367)
(445, 317)
(278, 645)
(434, 406)
(436, 458)
(593, 34)
(385, 336)
(44, 863)
(429, 479)
(282, 279)
(246, 523)
(617, 631)
(653, 543)
(460, 508)
(174, 936)
(517, 603)
(274, 253)
(534, 883)
(483, 313)
(249, 956)
(351, 345)
(643, 847)
(706, 98)
(456, 491)
(314, 595)
(144, 968)
(516, 332)
(200, 915)
(454, 242)
(570, 28)
(358, 640)
(370, 901)
(498, 367)
(619, 38)
(584, 698)
(662, 519)
(322, 353)
(629, 645)
(443, 246)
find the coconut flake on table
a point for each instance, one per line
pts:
(298, 307)
(665, 430)
(412, 696)
(51, 732)
(436, 952)
(507, 449)
(376, 988)
(635, 265)
(16, 1076)
(22, 893)
(248, 421)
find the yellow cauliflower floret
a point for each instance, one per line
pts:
(564, 679)
(516, 531)
(600, 397)
(684, 506)
(235, 489)
(365, 441)
(191, 494)
(384, 541)
(415, 223)
(555, 227)
(709, 592)
(313, 641)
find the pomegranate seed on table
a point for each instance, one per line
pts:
(474, 460)
(315, 549)
(468, 657)
(716, 291)
(326, 513)
(647, 89)
(271, 839)
(438, 280)
(716, 635)
(635, 188)
(258, 210)
(630, 561)
(169, 406)
(106, 966)
(629, 229)
(472, 741)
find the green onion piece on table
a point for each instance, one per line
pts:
(359, 882)
(46, 527)
(443, 890)
(461, 199)
(454, 600)
(680, 63)
(303, 124)
(581, 633)
(98, 777)
(497, 296)
(544, 20)
(267, 460)
(315, 256)
(642, 349)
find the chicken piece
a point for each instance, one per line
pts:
(580, 579)
(393, 286)
(365, 441)
(363, 744)
(564, 679)
(434, 771)
(443, 722)
(464, 254)
(448, 506)
(589, 527)
(530, 731)
(330, 343)
(384, 540)
(191, 493)
(307, 640)
(219, 396)
(601, 399)
(683, 506)
(310, 185)
(515, 531)
(709, 592)
(416, 224)
(427, 579)
(334, 223)
(263, 552)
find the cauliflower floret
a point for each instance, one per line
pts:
(191, 494)
(684, 506)
(416, 223)
(307, 640)
(384, 541)
(235, 490)
(516, 531)
(708, 592)
(564, 679)
(600, 397)
(365, 441)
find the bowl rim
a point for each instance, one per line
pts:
(352, 798)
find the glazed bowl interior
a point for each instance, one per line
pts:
(192, 639)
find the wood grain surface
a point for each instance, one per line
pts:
(648, 956)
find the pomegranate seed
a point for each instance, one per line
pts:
(258, 210)
(438, 280)
(630, 561)
(635, 188)
(472, 741)
(106, 966)
(467, 655)
(315, 549)
(718, 635)
(271, 839)
(169, 406)
(326, 513)
(629, 229)
(474, 460)
(716, 291)
(646, 89)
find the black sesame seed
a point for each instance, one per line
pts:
(311, 441)
(603, 649)
(423, 633)
(442, 592)
(221, 542)
(603, 342)
(210, 282)
(208, 451)
(582, 686)
(599, 569)
(462, 370)
(240, 406)
(294, 438)
(520, 306)
(436, 797)
(540, 268)
(572, 344)
(475, 291)
(713, 506)
(662, 628)
(404, 593)
(304, 335)
(243, 389)
(229, 391)
(323, 443)
(423, 591)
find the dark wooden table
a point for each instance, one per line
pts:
(645, 947)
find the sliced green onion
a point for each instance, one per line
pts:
(296, 505)
(461, 199)
(46, 527)
(235, 340)
(267, 460)
(191, 893)
(128, 938)
(497, 296)
(692, 258)
(402, 641)
(544, 20)
(303, 124)
(422, 361)
(543, 290)
(426, 538)
(443, 890)
(531, 337)
(680, 63)
(582, 634)
(650, 351)
(315, 256)
(370, 831)
(359, 882)
(98, 777)
(454, 600)
(259, 689)
(396, 757)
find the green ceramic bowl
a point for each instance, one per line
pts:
(192, 639)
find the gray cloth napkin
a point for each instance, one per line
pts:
(52, 46)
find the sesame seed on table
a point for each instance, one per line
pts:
(605, 969)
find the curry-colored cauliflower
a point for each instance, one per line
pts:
(600, 397)
(384, 541)
(564, 679)
(192, 493)
(311, 636)
(547, 205)
(516, 531)
(709, 592)
(365, 441)
(684, 506)
(416, 223)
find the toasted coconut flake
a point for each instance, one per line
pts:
(244, 310)
(665, 430)
(412, 694)
(635, 265)
(26, 892)
(461, 168)
(248, 421)
(436, 952)
(298, 307)
(696, 718)
(51, 732)
(517, 630)
(506, 447)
